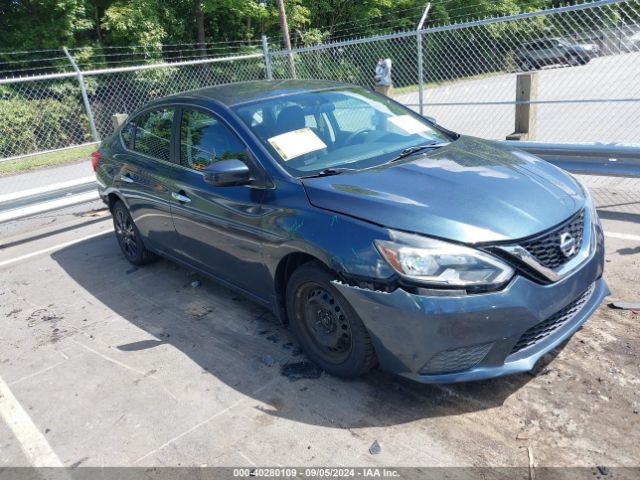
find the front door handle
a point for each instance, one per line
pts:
(126, 178)
(180, 197)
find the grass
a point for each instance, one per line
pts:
(44, 160)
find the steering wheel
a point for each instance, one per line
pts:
(356, 134)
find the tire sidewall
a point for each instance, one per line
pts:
(359, 360)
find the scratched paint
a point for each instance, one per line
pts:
(297, 225)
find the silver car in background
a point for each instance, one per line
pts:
(552, 51)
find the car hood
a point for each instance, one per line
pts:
(471, 191)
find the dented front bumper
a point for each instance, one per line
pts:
(443, 339)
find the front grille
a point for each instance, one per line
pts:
(546, 248)
(456, 360)
(543, 329)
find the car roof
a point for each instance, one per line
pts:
(246, 92)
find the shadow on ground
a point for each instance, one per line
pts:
(229, 337)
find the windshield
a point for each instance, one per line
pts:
(346, 128)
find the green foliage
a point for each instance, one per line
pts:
(38, 24)
(55, 119)
(94, 24)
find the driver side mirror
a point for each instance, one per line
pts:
(227, 173)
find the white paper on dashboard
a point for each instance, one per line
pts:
(408, 124)
(297, 142)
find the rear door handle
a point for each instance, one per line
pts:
(180, 197)
(127, 179)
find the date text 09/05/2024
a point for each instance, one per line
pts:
(315, 472)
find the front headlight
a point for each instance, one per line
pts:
(434, 262)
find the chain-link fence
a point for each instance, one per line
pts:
(45, 113)
(42, 114)
(587, 59)
(125, 91)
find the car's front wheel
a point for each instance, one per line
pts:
(128, 236)
(573, 60)
(327, 327)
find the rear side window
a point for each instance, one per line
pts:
(204, 140)
(153, 134)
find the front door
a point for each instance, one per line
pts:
(219, 228)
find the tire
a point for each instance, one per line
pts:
(327, 327)
(526, 65)
(574, 60)
(129, 237)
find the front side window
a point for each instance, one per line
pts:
(351, 128)
(204, 139)
(153, 134)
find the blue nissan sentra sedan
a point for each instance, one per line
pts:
(380, 237)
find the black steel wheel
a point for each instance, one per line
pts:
(327, 327)
(324, 321)
(128, 236)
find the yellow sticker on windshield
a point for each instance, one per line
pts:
(297, 142)
(408, 124)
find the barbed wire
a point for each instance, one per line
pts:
(162, 45)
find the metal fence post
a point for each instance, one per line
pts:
(419, 47)
(85, 98)
(267, 59)
(420, 79)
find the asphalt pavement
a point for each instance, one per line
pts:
(613, 78)
(105, 364)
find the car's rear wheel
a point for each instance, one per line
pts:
(526, 65)
(327, 327)
(128, 236)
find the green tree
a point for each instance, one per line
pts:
(41, 24)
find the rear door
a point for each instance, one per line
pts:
(219, 228)
(143, 177)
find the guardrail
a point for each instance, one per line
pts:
(609, 160)
(14, 206)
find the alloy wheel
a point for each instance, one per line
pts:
(126, 234)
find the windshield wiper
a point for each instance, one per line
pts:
(407, 152)
(330, 171)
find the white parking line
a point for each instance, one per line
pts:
(622, 236)
(53, 248)
(32, 441)
(35, 374)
